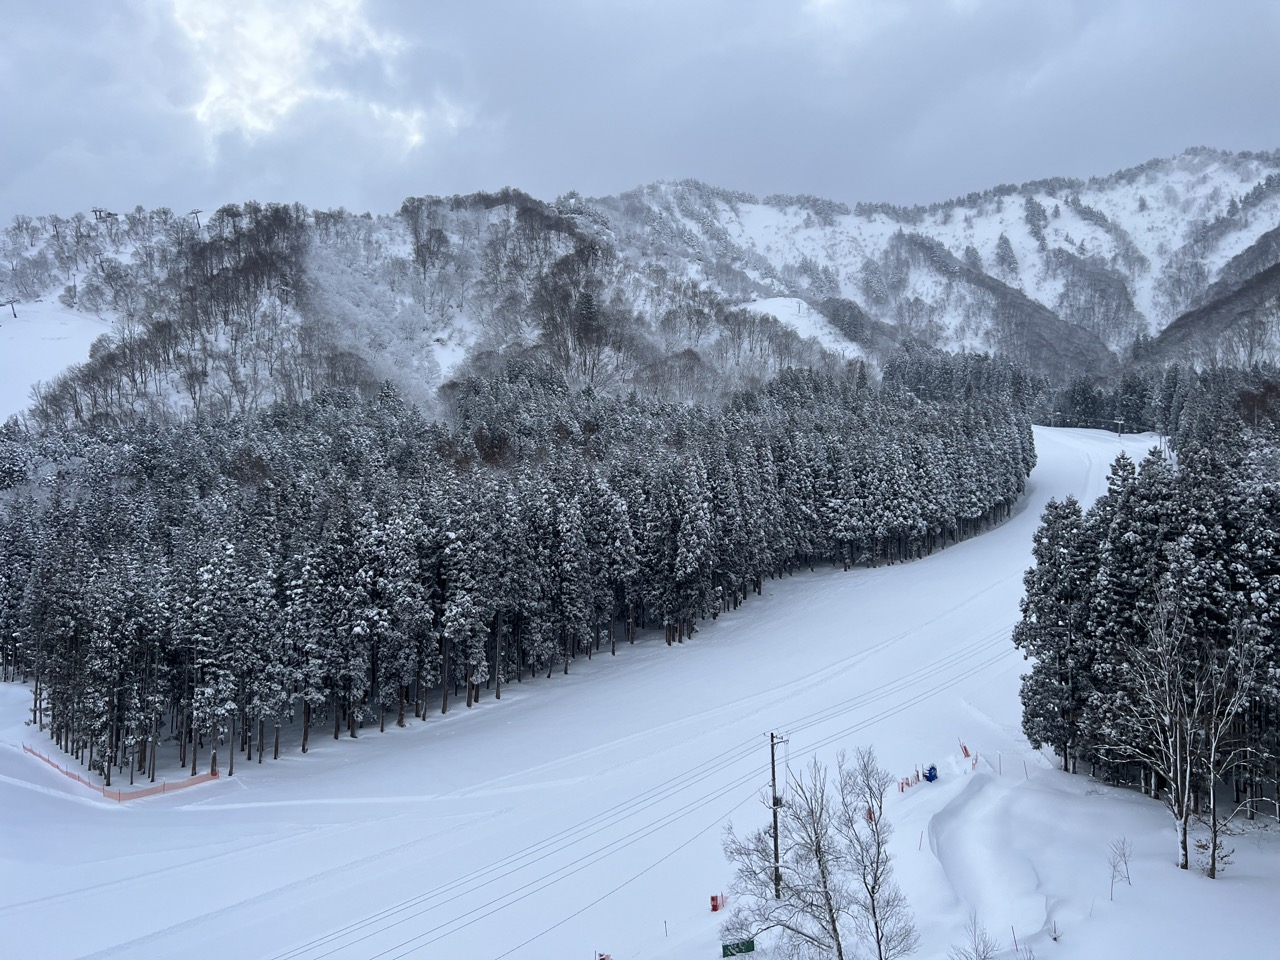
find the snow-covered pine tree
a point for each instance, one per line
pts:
(1052, 632)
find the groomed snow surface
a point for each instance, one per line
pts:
(585, 813)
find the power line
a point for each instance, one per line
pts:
(636, 876)
(565, 839)
(537, 852)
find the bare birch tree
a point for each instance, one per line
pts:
(1177, 712)
(884, 918)
(815, 914)
(838, 892)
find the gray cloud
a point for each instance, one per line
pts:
(338, 102)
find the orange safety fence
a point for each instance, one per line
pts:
(121, 795)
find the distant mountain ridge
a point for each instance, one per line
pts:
(682, 289)
(1116, 257)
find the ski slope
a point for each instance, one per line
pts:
(42, 341)
(588, 817)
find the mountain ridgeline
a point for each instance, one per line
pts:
(680, 290)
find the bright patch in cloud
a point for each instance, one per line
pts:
(262, 59)
(856, 21)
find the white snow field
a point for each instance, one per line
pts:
(41, 342)
(585, 813)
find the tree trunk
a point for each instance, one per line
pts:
(155, 746)
(1213, 832)
(828, 901)
(444, 676)
(497, 663)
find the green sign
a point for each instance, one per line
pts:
(738, 949)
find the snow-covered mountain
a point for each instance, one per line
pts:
(682, 289)
(1088, 264)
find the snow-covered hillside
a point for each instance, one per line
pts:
(1117, 256)
(590, 820)
(807, 322)
(264, 301)
(39, 343)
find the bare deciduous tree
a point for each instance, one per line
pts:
(978, 944)
(1179, 712)
(815, 913)
(838, 891)
(1118, 860)
(884, 917)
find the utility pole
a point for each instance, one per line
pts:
(773, 776)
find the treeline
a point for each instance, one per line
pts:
(346, 562)
(1150, 618)
(1186, 404)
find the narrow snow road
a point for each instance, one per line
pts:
(585, 813)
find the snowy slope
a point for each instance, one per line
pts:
(807, 322)
(558, 823)
(42, 341)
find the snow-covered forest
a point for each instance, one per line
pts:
(1150, 621)
(328, 474)
(347, 562)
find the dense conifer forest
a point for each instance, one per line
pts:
(1150, 617)
(344, 563)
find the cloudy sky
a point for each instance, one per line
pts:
(360, 103)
